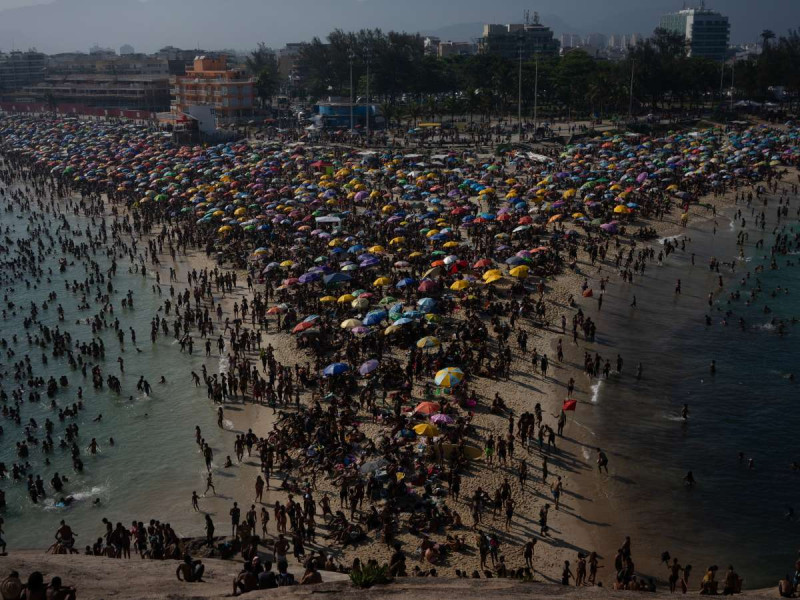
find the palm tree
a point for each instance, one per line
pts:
(414, 112)
(766, 36)
(388, 111)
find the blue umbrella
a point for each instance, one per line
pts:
(405, 282)
(426, 304)
(308, 277)
(374, 317)
(335, 369)
(516, 260)
(336, 278)
(403, 321)
(396, 309)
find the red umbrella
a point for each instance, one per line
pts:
(303, 326)
(569, 405)
(482, 263)
(427, 286)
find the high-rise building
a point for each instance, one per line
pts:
(126, 49)
(20, 69)
(529, 38)
(707, 32)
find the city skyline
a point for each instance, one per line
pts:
(75, 25)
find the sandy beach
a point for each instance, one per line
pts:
(583, 510)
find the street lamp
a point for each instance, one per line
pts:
(350, 57)
(536, 99)
(368, 58)
(519, 94)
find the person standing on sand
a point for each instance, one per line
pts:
(566, 574)
(195, 504)
(674, 575)
(235, 514)
(528, 552)
(259, 488)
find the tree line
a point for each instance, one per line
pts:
(410, 84)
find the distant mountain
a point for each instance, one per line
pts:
(67, 25)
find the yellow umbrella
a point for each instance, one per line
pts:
(381, 281)
(397, 240)
(493, 279)
(492, 273)
(350, 323)
(390, 329)
(569, 193)
(377, 249)
(287, 263)
(428, 342)
(520, 272)
(434, 272)
(426, 429)
(622, 210)
(225, 229)
(432, 233)
(450, 245)
(346, 298)
(578, 215)
(327, 299)
(360, 303)
(460, 285)
(415, 255)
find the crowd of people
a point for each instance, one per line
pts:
(409, 287)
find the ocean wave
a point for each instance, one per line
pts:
(766, 327)
(224, 365)
(94, 491)
(596, 391)
(227, 424)
(671, 238)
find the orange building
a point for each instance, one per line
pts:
(210, 83)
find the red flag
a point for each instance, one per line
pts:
(569, 405)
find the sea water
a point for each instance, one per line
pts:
(155, 463)
(734, 514)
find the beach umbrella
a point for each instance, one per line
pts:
(520, 272)
(442, 419)
(334, 369)
(569, 404)
(350, 323)
(426, 429)
(427, 408)
(460, 285)
(302, 326)
(428, 285)
(404, 282)
(368, 367)
(327, 299)
(336, 278)
(428, 342)
(360, 303)
(449, 377)
(375, 317)
(382, 281)
(345, 298)
(426, 304)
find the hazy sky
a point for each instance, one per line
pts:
(68, 25)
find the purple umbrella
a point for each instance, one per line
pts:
(368, 367)
(442, 419)
(309, 277)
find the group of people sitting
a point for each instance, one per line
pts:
(258, 576)
(35, 588)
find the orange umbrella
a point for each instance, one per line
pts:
(428, 408)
